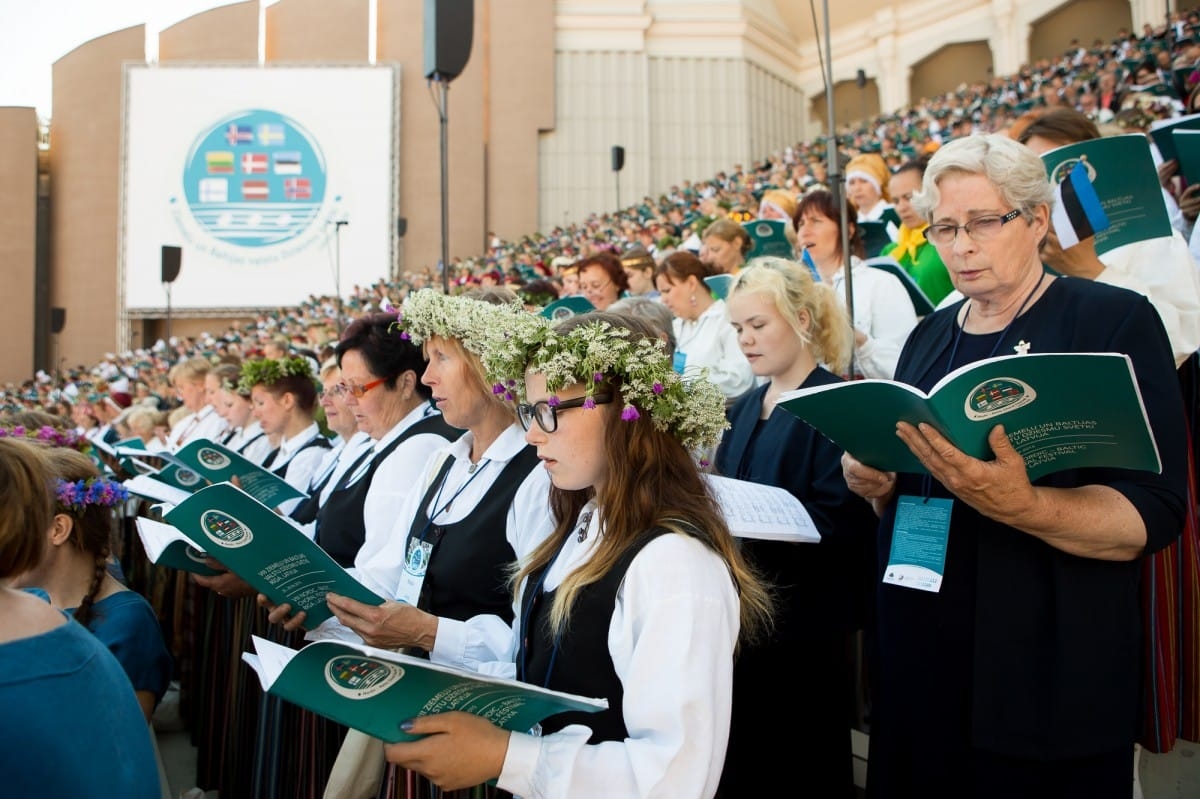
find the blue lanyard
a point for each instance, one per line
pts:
(449, 502)
(535, 597)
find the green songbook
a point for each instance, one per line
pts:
(264, 549)
(1060, 411)
(373, 690)
(1122, 171)
(567, 307)
(213, 463)
(1187, 147)
(1162, 130)
(166, 546)
(719, 285)
(768, 237)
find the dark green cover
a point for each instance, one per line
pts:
(373, 690)
(1161, 131)
(1061, 411)
(768, 237)
(921, 303)
(264, 549)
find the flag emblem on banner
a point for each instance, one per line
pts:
(297, 189)
(255, 190)
(287, 163)
(214, 190)
(238, 134)
(1078, 214)
(270, 133)
(254, 163)
(219, 161)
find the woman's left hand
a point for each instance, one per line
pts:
(998, 489)
(459, 749)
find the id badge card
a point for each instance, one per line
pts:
(679, 362)
(415, 564)
(919, 537)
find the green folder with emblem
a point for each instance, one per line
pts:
(373, 690)
(166, 546)
(1123, 173)
(204, 462)
(1060, 411)
(266, 550)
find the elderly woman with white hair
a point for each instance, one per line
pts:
(1021, 675)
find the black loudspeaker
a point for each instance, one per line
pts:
(448, 26)
(618, 158)
(58, 319)
(401, 227)
(171, 259)
(860, 79)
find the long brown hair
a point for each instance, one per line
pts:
(28, 501)
(652, 481)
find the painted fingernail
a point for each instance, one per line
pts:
(406, 725)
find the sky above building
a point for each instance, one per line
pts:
(36, 33)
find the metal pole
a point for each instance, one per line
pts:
(444, 86)
(617, 173)
(834, 172)
(168, 314)
(337, 268)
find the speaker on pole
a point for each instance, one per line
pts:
(448, 27)
(58, 319)
(172, 258)
(618, 158)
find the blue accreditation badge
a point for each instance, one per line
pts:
(919, 538)
(679, 362)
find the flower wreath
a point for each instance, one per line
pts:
(48, 436)
(467, 320)
(76, 496)
(265, 371)
(598, 353)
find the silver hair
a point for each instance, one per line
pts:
(1018, 174)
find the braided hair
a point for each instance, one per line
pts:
(92, 524)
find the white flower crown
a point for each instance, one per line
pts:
(430, 313)
(598, 354)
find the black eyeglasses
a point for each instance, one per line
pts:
(981, 228)
(546, 415)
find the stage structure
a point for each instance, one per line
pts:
(254, 171)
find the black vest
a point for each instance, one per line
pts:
(308, 508)
(581, 662)
(341, 528)
(467, 572)
(319, 441)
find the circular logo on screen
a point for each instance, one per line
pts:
(254, 179)
(361, 677)
(224, 530)
(997, 396)
(212, 458)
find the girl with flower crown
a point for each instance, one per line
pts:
(639, 595)
(73, 571)
(788, 326)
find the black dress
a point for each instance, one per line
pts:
(793, 695)
(1021, 676)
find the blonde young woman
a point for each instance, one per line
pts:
(788, 326)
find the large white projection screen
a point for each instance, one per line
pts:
(248, 169)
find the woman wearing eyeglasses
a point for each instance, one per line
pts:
(602, 279)
(883, 313)
(640, 594)
(1021, 675)
(470, 509)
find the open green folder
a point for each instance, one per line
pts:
(264, 549)
(373, 690)
(1060, 411)
(921, 303)
(166, 546)
(214, 463)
